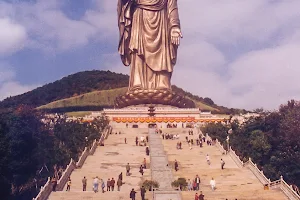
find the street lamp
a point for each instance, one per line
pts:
(86, 141)
(227, 139)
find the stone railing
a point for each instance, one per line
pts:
(47, 188)
(257, 172)
(235, 158)
(285, 188)
(65, 176)
(83, 157)
(94, 147)
(45, 191)
(288, 190)
(220, 146)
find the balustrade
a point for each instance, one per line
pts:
(47, 188)
(285, 188)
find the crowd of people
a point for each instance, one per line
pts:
(112, 183)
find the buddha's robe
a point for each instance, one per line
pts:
(145, 42)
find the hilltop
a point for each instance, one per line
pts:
(92, 90)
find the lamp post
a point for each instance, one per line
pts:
(227, 140)
(228, 133)
(86, 141)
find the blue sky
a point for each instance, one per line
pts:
(239, 53)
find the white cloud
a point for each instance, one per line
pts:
(268, 77)
(12, 36)
(12, 88)
(239, 53)
(8, 85)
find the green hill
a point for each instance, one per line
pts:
(91, 90)
(104, 98)
(72, 85)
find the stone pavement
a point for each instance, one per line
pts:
(107, 162)
(160, 172)
(232, 182)
(111, 159)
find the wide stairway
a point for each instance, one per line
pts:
(108, 162)
(231, 183)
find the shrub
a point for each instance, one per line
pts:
(181, 183)
(150, 184)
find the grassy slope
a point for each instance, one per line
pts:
(96, 98)
(101, 98)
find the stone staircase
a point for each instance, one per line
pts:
(232, 182)
(108, 162)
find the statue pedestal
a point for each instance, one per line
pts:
(162, 97)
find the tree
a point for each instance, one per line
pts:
(208, 101)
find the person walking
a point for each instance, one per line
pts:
(212, 184)
(222, 164)
(141, 170)
(132, 194)
(84, 183)
(201, 196)
(197, 180)
(127, 169)
(176, 165)
(108, 185)
(69, 184)
(143, 192)
(145, 163)
(196, 197)
(136, 141)
(119, 184)
(125, 140)
(96, 184)
(102, 185)
(112, 184)
(54, 183)
(190, 185)
(121, 176)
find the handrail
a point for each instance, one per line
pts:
(47, 188)
(66, 174)
(258, 173)
(83, 157)
(93, 148)
(288, 190)
(285, 188)
(235, 158)
(45, 191)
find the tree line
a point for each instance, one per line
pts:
(272, 140)
(32, 143)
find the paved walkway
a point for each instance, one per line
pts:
(232, 182)
(160, 172)
(107, 162)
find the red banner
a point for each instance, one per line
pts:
(153, 119)
(162, 119)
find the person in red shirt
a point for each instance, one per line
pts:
(201, 196)
(196, 197)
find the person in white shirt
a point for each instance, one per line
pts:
(96, 184)
(212, 184)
